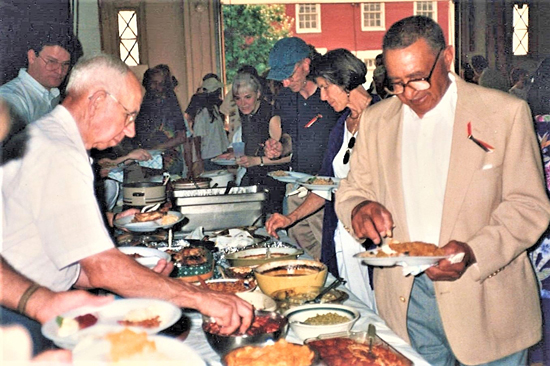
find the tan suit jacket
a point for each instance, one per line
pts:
(496, 202)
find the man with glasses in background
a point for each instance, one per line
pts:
(308, 121)
(457, 165)
(34, 92)
(53, 232)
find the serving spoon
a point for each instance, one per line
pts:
(332, 286)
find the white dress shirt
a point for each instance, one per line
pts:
(425, 154)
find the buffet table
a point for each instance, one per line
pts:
(197, 340)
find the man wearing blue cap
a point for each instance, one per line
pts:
(308, 120)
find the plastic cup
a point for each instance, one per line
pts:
(238, 149)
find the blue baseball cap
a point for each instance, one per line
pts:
(284, 56)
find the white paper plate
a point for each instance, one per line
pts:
(150, 256)
(148, 226)
(369, 257)
(168, 351)
(319, 187)
(291, 176)
(224, 161)
(108, 317)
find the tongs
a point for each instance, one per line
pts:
(332, 286)
(371, 333)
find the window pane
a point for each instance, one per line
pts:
(308, 17)
(128, 37)
(520, 39)
(372, 15)
(425, 8)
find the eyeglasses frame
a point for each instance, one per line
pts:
(130, 116)
(64, 66)
(426, 79)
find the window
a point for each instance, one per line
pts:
(308, 18)
(372, 16)
(426, 8)
(520, 38)
(128, 37)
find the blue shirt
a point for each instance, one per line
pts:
(308, 144)
(28, 97)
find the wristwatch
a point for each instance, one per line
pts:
(261, 161)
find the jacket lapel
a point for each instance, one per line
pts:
(465, 157)
(390, 141)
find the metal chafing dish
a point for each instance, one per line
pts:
(212, 209)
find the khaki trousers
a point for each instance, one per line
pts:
(307, 232)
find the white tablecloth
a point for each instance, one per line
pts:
(198, 342)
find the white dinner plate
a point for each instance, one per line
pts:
(108, 317)
(319, 187)
(290, 177)
(143, 227)
(369, 257)
(168, 351)
(224, 161)
(149, 256)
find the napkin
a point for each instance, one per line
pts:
(300, 191)
(197, 234)
(154, 163)
(414, 270)
(237, 238)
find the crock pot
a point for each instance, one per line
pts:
(143, 193)
(191, 183)
(219, 177)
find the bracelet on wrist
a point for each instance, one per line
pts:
(26, 296)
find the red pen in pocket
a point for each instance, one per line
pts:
(313, 120)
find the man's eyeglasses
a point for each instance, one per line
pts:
(351, 144)
(53, 65)
(416, 84)
(130, 116)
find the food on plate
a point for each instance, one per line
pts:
(141, 317)
(326, 319)
(240, 272)
(231, 286)
(281, 353)
(68, 326)
(320, 181)
(413, 249)
(262, 324)
(168, 219)
(347, 352)
(279, 173)
(148, 216)
(191, 256)
(134, 255)
(127, 345)
(264, 255)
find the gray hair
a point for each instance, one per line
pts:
(244, 80)
(102, 69)
(407, 31)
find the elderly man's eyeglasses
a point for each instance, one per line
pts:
(130, 116)
(416, 84)
(53, 65)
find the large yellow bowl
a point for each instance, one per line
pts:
(280, 275)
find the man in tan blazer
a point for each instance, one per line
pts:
(416, 173)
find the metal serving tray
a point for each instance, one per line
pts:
(212, 210)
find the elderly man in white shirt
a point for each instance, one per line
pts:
(53, 231)
(34, 92)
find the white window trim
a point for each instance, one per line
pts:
(434, 7)
(383, 18)
(309, 30)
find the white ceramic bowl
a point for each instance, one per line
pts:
(258, 300)
(296, 316)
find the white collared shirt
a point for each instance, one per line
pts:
(28, 97)
(425, 156)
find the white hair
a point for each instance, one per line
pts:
(97, 70)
